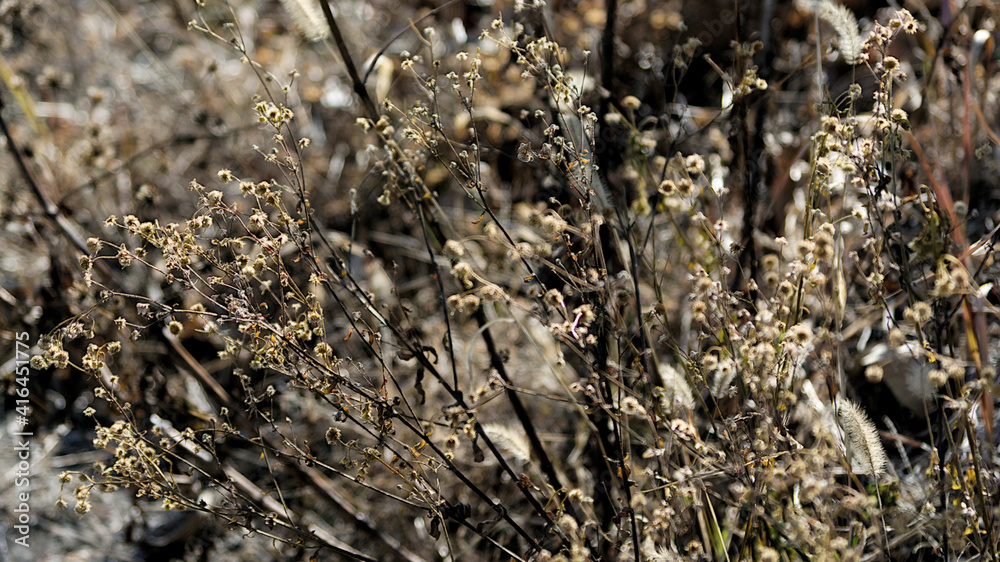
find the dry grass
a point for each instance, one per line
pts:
(728, 294)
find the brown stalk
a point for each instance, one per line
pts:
(48, 207)
(352, 70)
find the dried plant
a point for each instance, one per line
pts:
(532, 300)
(864, 444)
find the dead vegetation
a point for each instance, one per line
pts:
(506, 280)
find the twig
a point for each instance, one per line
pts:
(49, 208)
(352, 71)
(246, 486)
